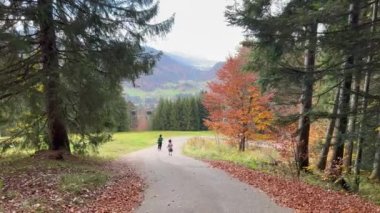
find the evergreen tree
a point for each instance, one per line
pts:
(203, 113)
(195, 118)
(180, 114)
(166, 112)
(156, 124)
(173, 115)
(58, 47)
(274, 33)
(188, 114)
(308, 43)
(181, 104)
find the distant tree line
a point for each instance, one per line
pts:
(184, 114)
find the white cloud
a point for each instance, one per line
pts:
(200, 29)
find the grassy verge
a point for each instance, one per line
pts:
(28, 184)
(80, 182)
(208, 149)
(263, 159)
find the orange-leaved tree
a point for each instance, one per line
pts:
(235, 105)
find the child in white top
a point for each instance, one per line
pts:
(170, 147)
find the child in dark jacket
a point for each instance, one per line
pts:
(159, 142)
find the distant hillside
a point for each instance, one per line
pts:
(199, 63)
(211, 73)
(168, 70)
(172, 76)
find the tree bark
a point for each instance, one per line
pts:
(321, 165)
(347, 159)
(243, 136)
(344, 100)
(375, 174)
(363, 128)
(302, 148)
(242, 144)
(341, 126)
(57, 131)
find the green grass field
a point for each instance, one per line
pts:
(121, 143)
(126, 142)
(72, 178)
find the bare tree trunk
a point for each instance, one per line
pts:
(375, 174)
(242, 143)
(341, 126)
(347, 159)
(243, 136)
(321, 165)
(344, 109)
(57, 131)
(363, 129)
(302, 148)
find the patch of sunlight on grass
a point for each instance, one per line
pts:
(78, 182)
(14, 153)
(17, 164)
(370, 189)
(127, 142)
(211, 150)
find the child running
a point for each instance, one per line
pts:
(170, 147)
(159, 142)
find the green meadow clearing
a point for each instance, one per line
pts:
(122, 143)
(126, 142)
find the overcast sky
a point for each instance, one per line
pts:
(199, 30)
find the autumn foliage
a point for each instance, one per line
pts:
(235, 105)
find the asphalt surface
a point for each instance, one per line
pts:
(181, 184)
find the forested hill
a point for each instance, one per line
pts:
(173, 75)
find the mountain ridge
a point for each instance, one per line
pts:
(173, 76)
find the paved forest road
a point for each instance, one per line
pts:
(181, 184)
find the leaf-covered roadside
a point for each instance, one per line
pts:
(32, 185)
(124, 194)
(296, 194)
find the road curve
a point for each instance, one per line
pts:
(177, 184)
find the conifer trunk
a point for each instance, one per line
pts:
(344, 100)
(321, 165)
(375, 174)
(57, 131)
(341, 126)
(363, 128)
(302, 149)
(347, 159)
